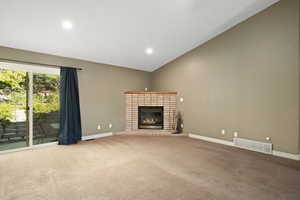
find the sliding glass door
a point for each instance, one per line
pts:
(45, 108)
(29, 105)
(14, 127)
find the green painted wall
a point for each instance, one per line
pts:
(101, 88)
(246, 79)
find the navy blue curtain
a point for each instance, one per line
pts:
(70, 121)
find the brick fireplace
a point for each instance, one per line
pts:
(150, 110)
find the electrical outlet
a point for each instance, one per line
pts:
(236, 134)
(99, 127)
(110, 125)
(223, 131)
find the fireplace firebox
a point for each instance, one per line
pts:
(150, 117)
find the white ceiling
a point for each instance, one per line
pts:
(118, 31)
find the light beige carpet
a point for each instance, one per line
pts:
(144, 168)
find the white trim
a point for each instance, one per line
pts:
(28, 148)
(228, 143)
(30, 105)
(95, 136)
(29, 68)
(286, 155)
(209, 139)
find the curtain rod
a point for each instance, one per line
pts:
(35, 63)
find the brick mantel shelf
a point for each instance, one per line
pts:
(142, 92)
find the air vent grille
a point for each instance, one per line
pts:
(253, 145)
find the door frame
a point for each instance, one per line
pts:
(29, 69)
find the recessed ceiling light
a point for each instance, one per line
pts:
(149, 51)
(66, 24)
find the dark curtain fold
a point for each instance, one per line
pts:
(70, 122)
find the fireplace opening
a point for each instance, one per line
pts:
(151, 117)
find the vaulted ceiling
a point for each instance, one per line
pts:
(119, 32)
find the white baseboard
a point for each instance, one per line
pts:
(29, 148)
(95, 136)
(286, 155)
(228, 143)
(210, 139)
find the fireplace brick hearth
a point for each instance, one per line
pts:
(165, 99)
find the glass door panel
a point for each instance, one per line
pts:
(45, 108)
(14, 130)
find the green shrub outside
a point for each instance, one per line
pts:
(6, 115)
(13, 85)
